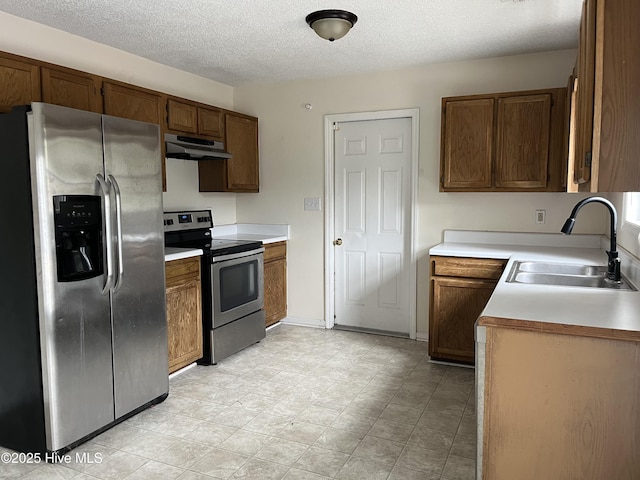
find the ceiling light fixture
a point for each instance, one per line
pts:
(331, 24)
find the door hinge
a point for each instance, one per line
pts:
(102, 91)
(587, 159)
(336, 127)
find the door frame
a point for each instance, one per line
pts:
(329, 192)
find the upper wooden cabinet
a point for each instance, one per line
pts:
(134, 103)
(19, 82)
(606, 115)
(192, 118)
(71, 88)
(240, 173)
(504, 142)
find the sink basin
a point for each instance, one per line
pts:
(561, 269)
(566, 275)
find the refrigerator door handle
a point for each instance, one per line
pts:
(116, 189)
(108, 283)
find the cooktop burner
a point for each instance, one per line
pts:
(227, 246)
(192, 229)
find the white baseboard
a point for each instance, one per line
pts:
(422, 336)
(304, 322)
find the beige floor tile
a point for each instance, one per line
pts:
(360, 424)
(358, 468)
(150, 444)
(301, 432)
(428, 438)
(422, 460)
(220, 463)
(339, 440)
(256, 469)
(379, 449)
(45, 471)
(235, 416)
(441, 422)
(295, 474)
(211, 433)
(267, 424)
(157, 471)
(244, 442)
(304, 404)
(116, 466)
(281, 451)
(183, 453)
(398, 432)
(464, 446)
(401, 414)
(318, 415)
(322, 461)
(399, 473)
(459, 468)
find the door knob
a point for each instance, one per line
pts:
(338, 242)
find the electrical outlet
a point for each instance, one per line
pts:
(312, 204)
(541, 217)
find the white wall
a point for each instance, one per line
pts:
(628, 236)
(292, 161)
(34, 40)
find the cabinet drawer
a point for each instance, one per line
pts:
(275, 250)
(468, 267)
(177, 270)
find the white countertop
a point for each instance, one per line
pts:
(265, 233)
(616, 313)
(174, 253)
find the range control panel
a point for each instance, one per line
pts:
(187, 220)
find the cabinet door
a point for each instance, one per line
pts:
(182, 116)
(522, 141)
(456, 305)
(132, 102)
(211, 122)
(19, 83)
(71, 89)
(242, 143)
(585, 93)
(184, 312)
(467, 139)
(275, 282)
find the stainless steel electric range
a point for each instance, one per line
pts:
(232, 284)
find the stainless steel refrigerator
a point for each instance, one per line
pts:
(83, 335)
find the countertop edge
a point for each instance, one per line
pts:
(559, 328)
(174, 253)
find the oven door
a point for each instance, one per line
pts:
(237, 282)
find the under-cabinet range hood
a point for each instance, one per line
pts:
(189, 148)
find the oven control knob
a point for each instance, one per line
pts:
(337, 242)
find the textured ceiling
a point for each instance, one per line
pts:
(256, 41)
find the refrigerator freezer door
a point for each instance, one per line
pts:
(75, 327)
(133, 168)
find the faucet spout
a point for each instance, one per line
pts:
(613, 264)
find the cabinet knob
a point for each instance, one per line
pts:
(337, 242)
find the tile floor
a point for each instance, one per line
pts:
(302, 404)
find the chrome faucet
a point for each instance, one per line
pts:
(613, 266)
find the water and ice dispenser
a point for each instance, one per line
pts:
(78, 226)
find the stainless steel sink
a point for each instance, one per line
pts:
(561, 268)
(567, 275)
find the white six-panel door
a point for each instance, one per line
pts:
(372, 224)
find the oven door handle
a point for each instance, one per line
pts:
(233, 256)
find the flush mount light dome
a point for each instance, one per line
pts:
(331, 24)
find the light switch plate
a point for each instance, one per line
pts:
(541, 216)
(312, 204)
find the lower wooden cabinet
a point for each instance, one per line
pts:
(184, 312)
(460, 289)
(275, 282)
